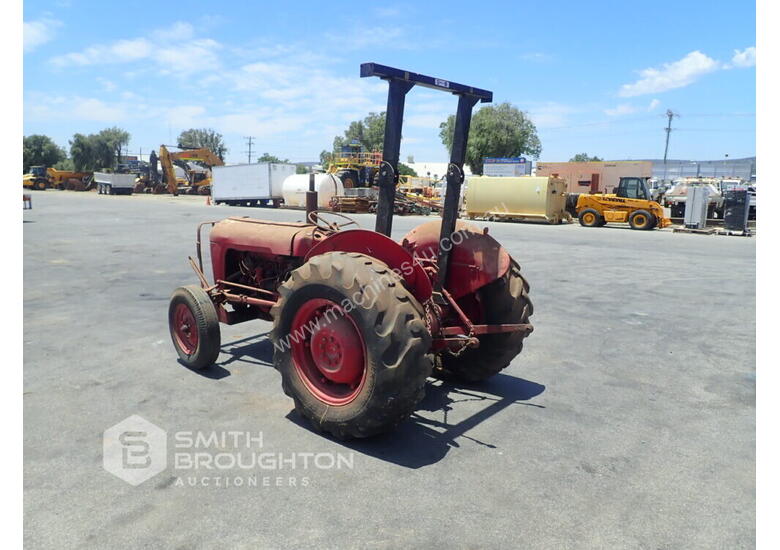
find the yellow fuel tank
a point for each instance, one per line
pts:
(520, 198)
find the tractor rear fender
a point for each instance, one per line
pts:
(476, 258)
(383, 249)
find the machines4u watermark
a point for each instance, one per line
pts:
(135, 450)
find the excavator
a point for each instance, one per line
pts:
(194, 183)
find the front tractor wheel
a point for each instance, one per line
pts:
(350, 344)
(504, 301)
(642, 219)
(194, 326)
(591, 218)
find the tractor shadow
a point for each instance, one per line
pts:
(426, 437)
(253, 350)
(429, 433)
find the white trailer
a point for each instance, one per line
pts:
(249, 184)
(114, 184)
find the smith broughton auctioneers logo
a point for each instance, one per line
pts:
(135, 450)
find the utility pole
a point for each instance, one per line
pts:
(249, 148)
(668, 130)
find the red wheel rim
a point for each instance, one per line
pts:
(185, 329)
(328, 352)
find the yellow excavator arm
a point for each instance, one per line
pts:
(202, 155)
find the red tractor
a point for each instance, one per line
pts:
(361, 321)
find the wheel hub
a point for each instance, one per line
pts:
(185, 329)
(328, 351)
(337, 352)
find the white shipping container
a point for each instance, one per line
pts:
(249, 183)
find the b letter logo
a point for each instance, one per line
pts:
(135, 450)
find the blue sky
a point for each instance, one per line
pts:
(595, 77)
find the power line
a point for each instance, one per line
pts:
(249, 148)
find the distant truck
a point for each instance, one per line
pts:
(114, 184)
(676, 197)
(258, 184)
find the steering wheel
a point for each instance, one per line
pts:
(316, 217)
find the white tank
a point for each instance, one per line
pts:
(327, 186)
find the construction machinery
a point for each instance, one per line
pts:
(36, 178)
(630, 203)
(360, 320)
(195, 182)
(354, 166)
(42, 178)
(69, 179)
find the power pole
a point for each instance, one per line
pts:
(668, 130)
(249, 148)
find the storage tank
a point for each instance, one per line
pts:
(520, 198)
(327, 186)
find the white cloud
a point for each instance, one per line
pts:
(121, 51)
(39, 31)
(537, 57)
(173, 49)
(106, 84)
(620, 110)
(550, 114)
(653, 105)
(683, 72)
(97, 110)
(46, 107)
(669, 76)
(744, 58)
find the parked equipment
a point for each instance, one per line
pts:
(194, 182)
(360, 320)
(36, 178)
(250, 184)
(294, 189)
(630, 203)
(354, 166)
(69, 179)
(114, 184)
(736, 210)
(517, 198)
(696, 207)
(676, 197)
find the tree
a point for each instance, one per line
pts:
(95, 151)
(583, 157)
(405, 170)
(65, 164)
(325, 158)
(265, 157)
(114, 139)
(203, 137)
(496, 131)
(40, 150)
(369, 132)
(301, 169)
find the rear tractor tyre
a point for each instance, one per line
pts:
(194, 327)
(504, 301)
(591, 218)
(642, 220)
(40, 185)
(350, 344)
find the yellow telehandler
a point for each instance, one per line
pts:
(631, 202)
